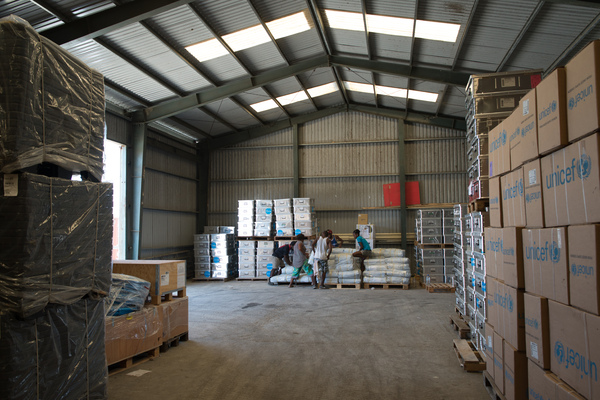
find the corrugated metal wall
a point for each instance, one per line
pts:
(170, 206)
(344, 160)
(118, 129)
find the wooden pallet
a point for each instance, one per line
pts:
(174, 342)
(214, 279)
(469, 358)
(344, 285)
(479, 205)
(439, 287)
(166, 296)
(491, 387)
(464, 332)
(133, 361)
(251, 279)
(402, 286)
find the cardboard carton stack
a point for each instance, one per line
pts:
(305, 219)
(202, 257)
(224, 261)
(264, 258)
(246, 259)
(459, 259)
(543, 246)
(55, 261)
(245, 225)
(284, 217)
(490, 99)
(263, 217)
(435, 229)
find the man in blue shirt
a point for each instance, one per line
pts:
(364, 249)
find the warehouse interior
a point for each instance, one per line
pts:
(206, 104)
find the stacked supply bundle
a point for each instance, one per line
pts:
(59, 353)
(202, 257)
(305, 219)
(223, 253)
(284, 217)
(247, 259)
(263, 225)
(58, 241)
(264, 258)
(345, 267)
(459, 259)
(387, 266)
(53, 104)
(127, 294)
(245, 218)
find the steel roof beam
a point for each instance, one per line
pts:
(445, 122)
(172, 107)
(580, 3)
(106, 21)
(369, 53)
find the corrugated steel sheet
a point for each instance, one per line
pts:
(224, 196)
(345, 193)
(168, 192)
(118, 129)
(279, 138)
(164, 232)
(251, 163)
(173, 164)
(349, 127)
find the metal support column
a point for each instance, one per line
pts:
(202, 163)
(402, 180)
(296, 161)
(137, 166)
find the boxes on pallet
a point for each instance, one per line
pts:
(263, 232)
(499, 362)
(249, 212)
(246, 252)
(489, 349)
(265, 244)
(305, 224)
(202, 258)
(305, 216)
(304, 209)
(223, 259)
(284, 217)
(173, 317)
(264, 210)
(303, 201)
(262, 226)
(495, 202)
(584, 259)
(283, 210)
(165, 276)
(245, 228)
(532, 182)
(515, 373)
(264, 218)
(546, 263)
(286, 232)
(246, 204)
(524, 141)
(282, 202)
(583, 111)
(284, 225)
(264, 251)
(537, 334)
(211, 229)
(247, 273)
(498, 141)
(247, 265)
(509, 306)
(203, 237)
(571, 183)
(203, 273)
(246, 244)
(263, 273)
(308, 232)
(264, 264)
(513, 199)
(224, 251)
(227, 229)
(221, 274)
(552, 112)
(546, 385)
(575, 348)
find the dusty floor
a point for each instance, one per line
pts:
(249, 340)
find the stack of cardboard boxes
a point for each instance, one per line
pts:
(459, 259)
(435, 235)
(543, 245)
(305, 219)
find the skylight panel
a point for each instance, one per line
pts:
(323, 89)
(437, 31)
(359, 87)
(391, 91)
(290, 25)
(207, 50)
(246, 38)
(423, 96)
(345, 20)
(390, 25)
(292, 98)
(264, 105)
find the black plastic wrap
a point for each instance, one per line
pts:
(51, 104)
(127, 294)
(58, 353)
(56, 239)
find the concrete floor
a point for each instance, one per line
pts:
(249, 340)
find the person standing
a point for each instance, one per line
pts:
(300, 261)
(281, 256)
(322, 250)
(364, 248)
(336, 241)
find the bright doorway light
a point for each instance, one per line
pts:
(114, 172)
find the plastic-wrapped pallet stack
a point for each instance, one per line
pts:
(387, 266)
(263, 216)
(55, 262)
(224, 262)
(460, 260)
(305, 219)
(284, 217)
(202, 257)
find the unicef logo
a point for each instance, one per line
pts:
(559, 352)
(536, 324)
(584, 166)
(553, 106)
(523, 131)
(571, 103)
(527, 197)
(574, 270)
(555, 252)
(510, 304)
(503, 137)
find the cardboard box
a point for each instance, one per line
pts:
(493, 251)
(512, 257)
(391, 194)
(524, 140)
(583, 103)
(552, 112)
(515, 373)
(492, 310)
(575, 348)
(534, 206)
(496, 140)
(165, 276)
(584, 256)
(540, 383)
(513, 199)
(489, 349)
(511, 127)
(174, 317)
(571, 184)
(363, 219)
(546, 263)
(132, 334)
(511, 315)
(499, 361)
(495, 202)
(537, 333)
